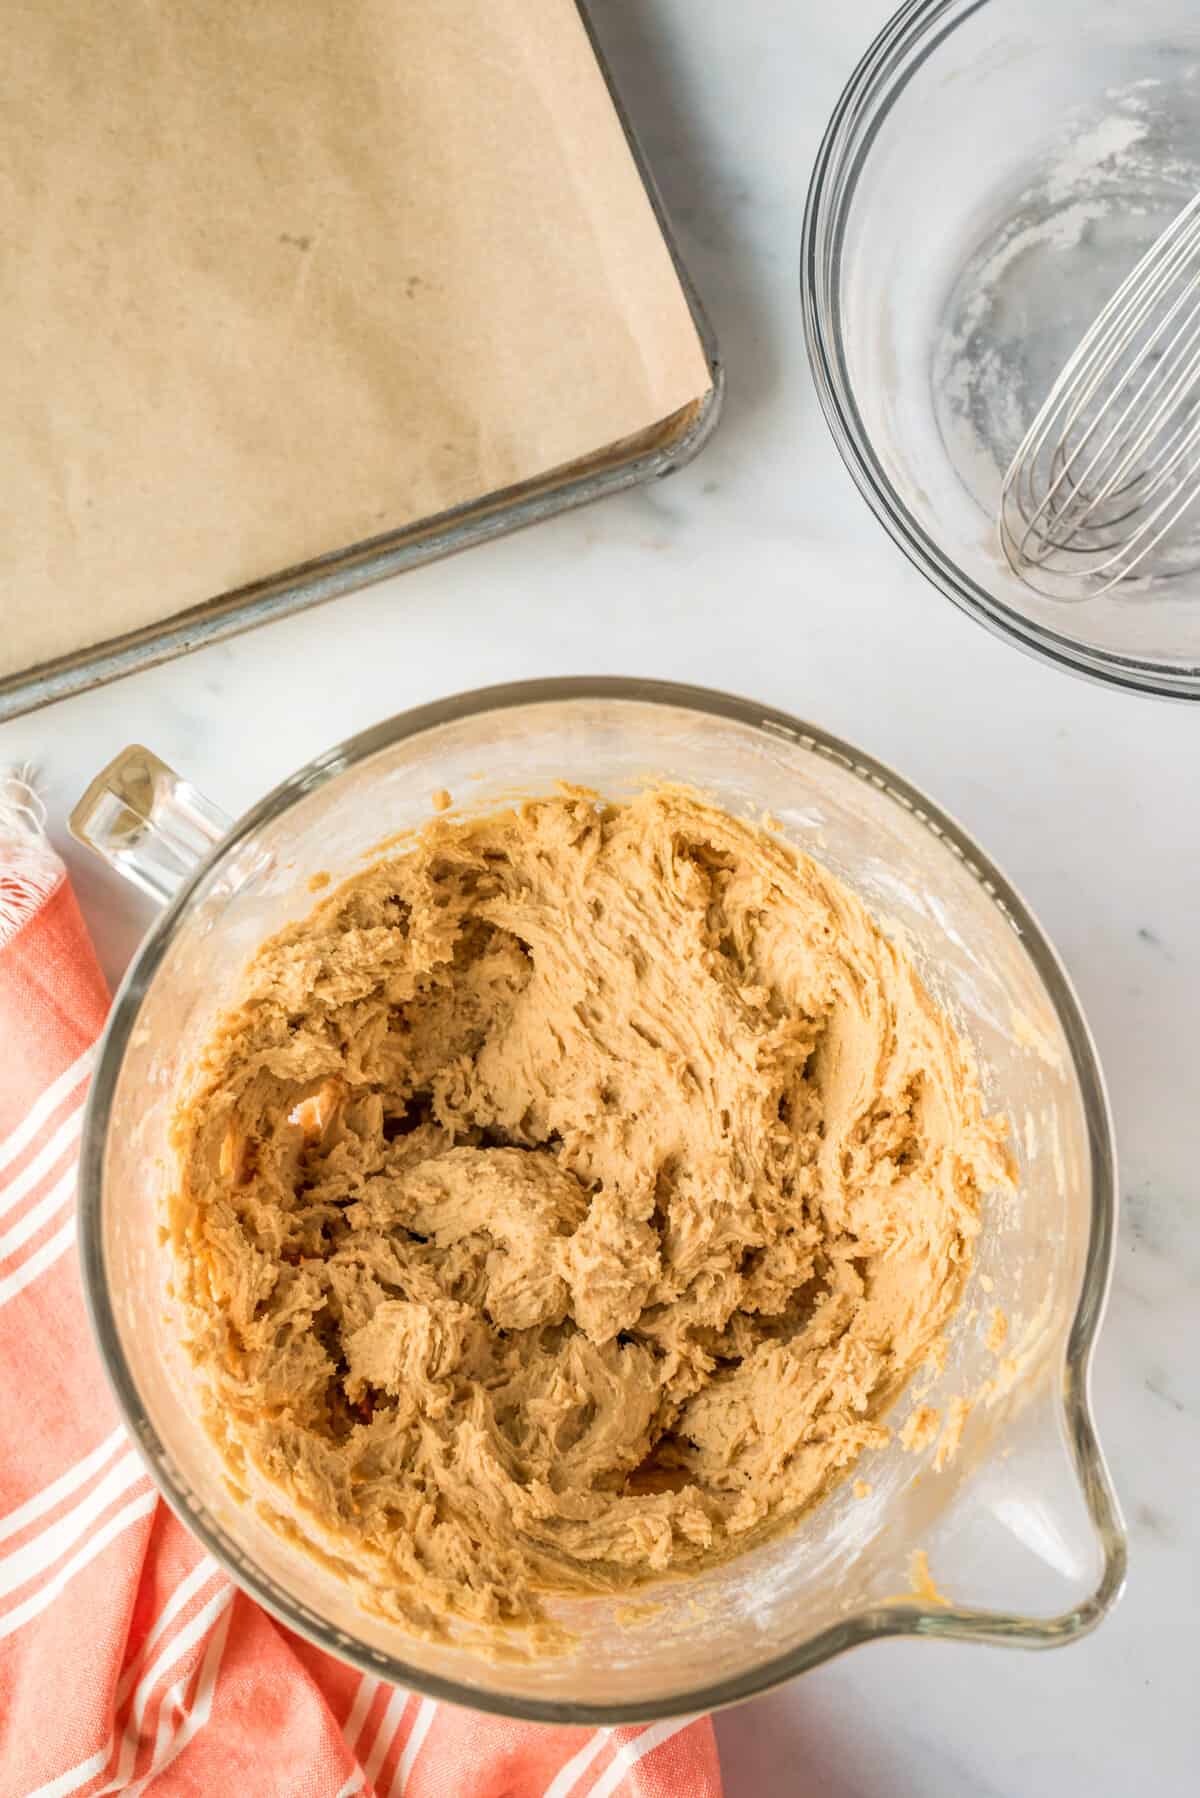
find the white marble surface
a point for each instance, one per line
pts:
(758, 569)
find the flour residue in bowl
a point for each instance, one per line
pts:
(1058, 246)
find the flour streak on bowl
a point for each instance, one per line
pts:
(1040, 277)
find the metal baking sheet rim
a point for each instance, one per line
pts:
(362, 564)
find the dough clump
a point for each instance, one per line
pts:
(566, 1200)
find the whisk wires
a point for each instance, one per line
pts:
(1111, 463)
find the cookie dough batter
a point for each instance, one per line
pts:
(565, 1202)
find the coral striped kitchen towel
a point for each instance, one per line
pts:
(128, 1662)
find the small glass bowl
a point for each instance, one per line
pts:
(992, 171)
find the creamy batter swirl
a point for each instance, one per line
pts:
(565, 1201)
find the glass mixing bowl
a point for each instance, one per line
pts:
(1021, 1532)
(991, 173)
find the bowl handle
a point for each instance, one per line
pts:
(153, 827)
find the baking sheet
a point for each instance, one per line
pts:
(382, 275)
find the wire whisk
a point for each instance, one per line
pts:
(1111, 463)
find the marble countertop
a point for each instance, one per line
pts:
(759, 570)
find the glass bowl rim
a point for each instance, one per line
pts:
(897, 1618)
(900, 49)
